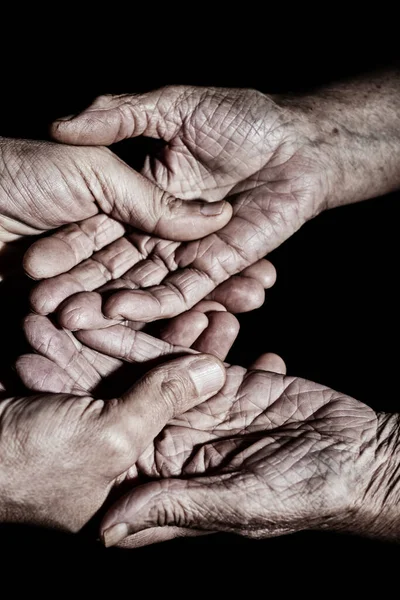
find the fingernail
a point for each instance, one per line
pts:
(207, 375)
(115, 534)
(211, 209)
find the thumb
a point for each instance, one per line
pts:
(110, 119)
(166, 507)
(131, 198)
(163, 393)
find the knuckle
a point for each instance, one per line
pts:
(168, 510)
(175, 388)
(104, 101)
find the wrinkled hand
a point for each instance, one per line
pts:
(80, 363)
(235, 144)
(45, 185)
(61, 454)
(64, 365)
(268, 455)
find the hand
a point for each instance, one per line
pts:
(242, 145)
(268, 455)
(61, 454)
(83, 363)
(45, 185)
(240, 293)
(37, 485)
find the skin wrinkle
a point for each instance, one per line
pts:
(227, 119)
(323, 459)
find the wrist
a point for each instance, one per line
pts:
(295, 151)
(378, 508)
(354, 132)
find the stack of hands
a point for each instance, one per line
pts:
(196, 445)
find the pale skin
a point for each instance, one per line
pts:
(64, 448)
(267, 455)
(279, 160)
(342, 472)
(43, 186)
(315, 458)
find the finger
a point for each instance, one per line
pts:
(108, 264)
(218, 338)
(239, 294)
(178, 293)
(83, 365)
(70, 245)
(141, 203)
(165, 392)
(126, 344)
(156, 535)
(111, 119)
(206, 306)
(196, 503)
(269, 362)
(184, 329)
(40, 374)
(84, 311)
(205, 264)
(110, 268)
(245, 292)
(262, 271)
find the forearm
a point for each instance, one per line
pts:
(378, 510)
(356, 125)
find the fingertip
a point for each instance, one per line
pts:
(239, 294)
(232, 324)
(221, 209)
(40, 374)
(189, 220)
(255, 296)
(72, 317)
(31, 322)
(206, 306)
(47, 295)
(262, 271)
(269, 362)
(83, 311)
(114, 307)
(208, 374)
(39, 301)
(48, 257)
(217, 215)
(184, 329)
(220, 335)
(67, 130)
(21, 365)
(133, 305)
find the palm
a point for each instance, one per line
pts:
(267, 455)
(296, 437)
(232, 144)
(222, 141)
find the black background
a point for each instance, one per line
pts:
(333, 314)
